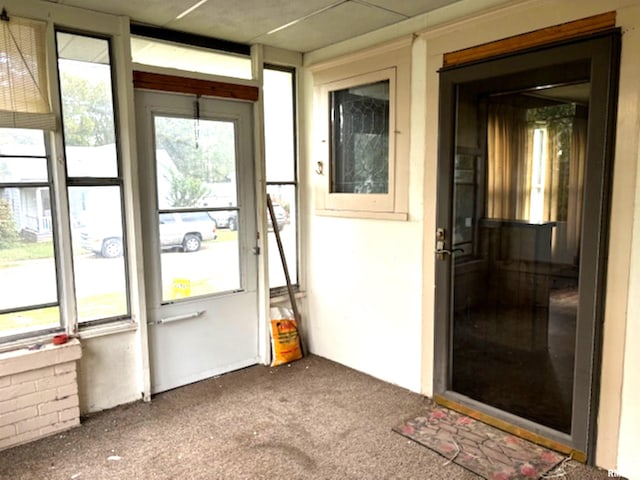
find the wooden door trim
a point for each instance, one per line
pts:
(176, 84)
(543, 36)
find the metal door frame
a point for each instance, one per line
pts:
(514, 71)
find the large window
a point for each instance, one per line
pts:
(282, 183)
(29, 299)
(47, 205)
(93, 177)
(28, 283)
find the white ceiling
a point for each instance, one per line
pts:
(299, 25)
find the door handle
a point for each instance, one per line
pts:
(444, 251)
(177, 318)
(440, 251)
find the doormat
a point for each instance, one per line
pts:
(478, 447)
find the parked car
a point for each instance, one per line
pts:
(229, 218)
(281, 217)
(226, 219)
(185, 230)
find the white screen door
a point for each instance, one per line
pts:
(199, 230)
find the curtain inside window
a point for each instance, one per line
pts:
(24, 97)
(576, 184)
(511, 170)
(507, 167)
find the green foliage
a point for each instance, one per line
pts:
(186, 190)
(8, 231)
(203, 148)
(87, 111)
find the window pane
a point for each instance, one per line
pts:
(18, 142)
(30, 169)
(196, 163)
(26, 249)
(191, 59)
(196, 259)
(87, 106)
(279, 126)
(360, 139)
(18, 323)
(283, 198)
(98, 262)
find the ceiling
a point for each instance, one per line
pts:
(299, 25)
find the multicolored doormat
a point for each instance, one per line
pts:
(478, 447)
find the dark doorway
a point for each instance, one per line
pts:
(522, 213)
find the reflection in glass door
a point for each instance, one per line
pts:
(524, 144)
(516, 282)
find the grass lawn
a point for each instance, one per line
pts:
(89, 308)
(26, 251)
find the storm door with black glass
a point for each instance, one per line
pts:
(522, 216)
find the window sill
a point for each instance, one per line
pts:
(108, 329)
(398, 216)
(25, 359)
(25, 343)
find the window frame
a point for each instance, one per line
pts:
(50, 184)
(116, 31)
(392, 62)
(95, 182)
(295, 183)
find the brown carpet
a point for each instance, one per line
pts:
(314, 419)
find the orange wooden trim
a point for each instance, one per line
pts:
(172, 83)
(536, 38)
(509, 428)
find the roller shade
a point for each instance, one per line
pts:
(24, 96)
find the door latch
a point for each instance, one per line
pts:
(441, 252)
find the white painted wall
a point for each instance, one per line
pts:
(109, 371)
(364, 277)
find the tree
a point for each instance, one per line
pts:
(8, 231)
(203, 149)
(87, 111)
(185, 190)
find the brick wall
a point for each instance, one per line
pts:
(38, 392)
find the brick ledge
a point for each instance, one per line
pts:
(17, 361)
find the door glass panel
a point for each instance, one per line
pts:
(517, 222)
(198, 216)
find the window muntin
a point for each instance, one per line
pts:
(29, 286)
(93, 177)
(360, 139)
(281, 171)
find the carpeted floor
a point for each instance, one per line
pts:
(314, 419)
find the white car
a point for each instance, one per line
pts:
(185, 230)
